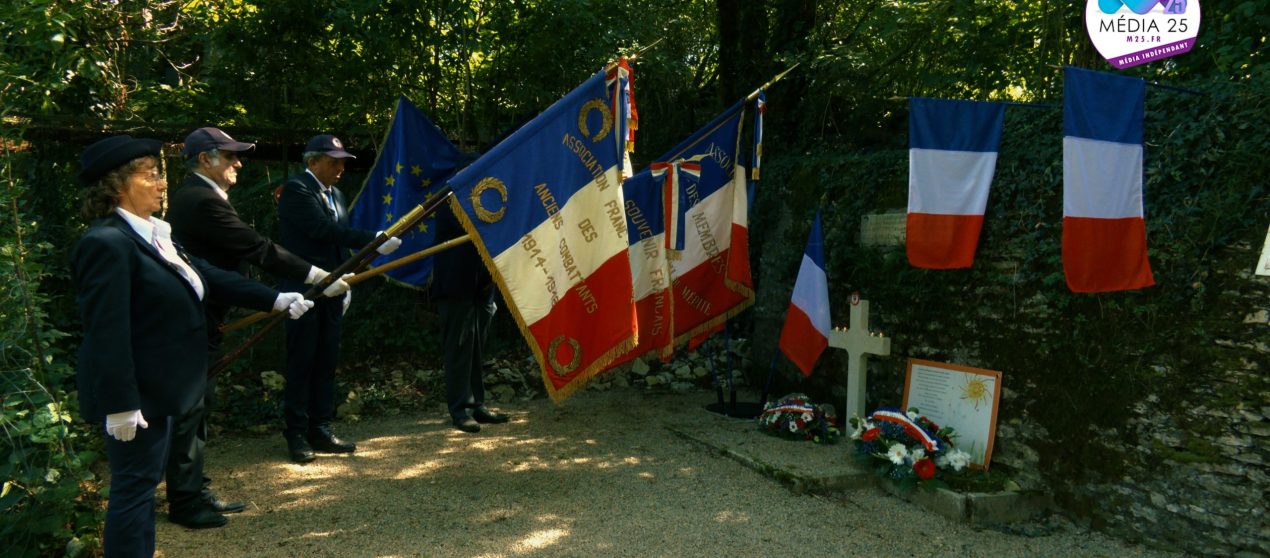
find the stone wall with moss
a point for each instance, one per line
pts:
(1144, 411)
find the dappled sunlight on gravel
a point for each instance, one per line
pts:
(597, 475)
(420, 469)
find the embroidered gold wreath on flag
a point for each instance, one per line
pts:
(595, 104)
(488, 183)
(564, 369)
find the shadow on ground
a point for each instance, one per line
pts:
(602, 474)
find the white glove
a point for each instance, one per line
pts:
(123, 426)
(316, 275)
(337, 288)
(348, 298)
(293, 303)
(389, 246)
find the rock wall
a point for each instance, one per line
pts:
(1197, 478)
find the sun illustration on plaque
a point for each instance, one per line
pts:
(977, 390)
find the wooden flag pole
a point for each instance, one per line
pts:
(352, 265)
(372, 272)
(380, 270)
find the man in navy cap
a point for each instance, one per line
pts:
(206, 225)
(313, 224)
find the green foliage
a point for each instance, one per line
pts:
(48, 499)
(83, 58)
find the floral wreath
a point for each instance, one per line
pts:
(796, 417)
(906, 447)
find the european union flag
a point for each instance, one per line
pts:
(415, 161)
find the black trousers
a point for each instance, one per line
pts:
(136, 466)
(313, 346)
(187, 485)
(464, 324)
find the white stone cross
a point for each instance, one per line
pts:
(859, 344)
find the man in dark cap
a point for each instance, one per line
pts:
(313, 224)
(206, 224)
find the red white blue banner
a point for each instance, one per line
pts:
(911, 428)
(620, 80)
(711, 275)
(546, 212)
(650, 266)
(1104, 229)
(952, 156)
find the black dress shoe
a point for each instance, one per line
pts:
(325, 441)
(220, 506)
(199, 518)
(467, 424)
(299, 449)
(485, 416)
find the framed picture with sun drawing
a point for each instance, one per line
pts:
(962, 397)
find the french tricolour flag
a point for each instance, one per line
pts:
(650, 267)
(951, 159)
(1104, 233)
(806, 331)
(545, 210)
(711, 275)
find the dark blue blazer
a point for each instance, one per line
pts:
(207, 226)
(309, 229)
(145, 338)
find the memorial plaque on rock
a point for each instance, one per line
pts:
(962, 397)
(883, 229)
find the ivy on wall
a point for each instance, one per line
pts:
(1078, 361)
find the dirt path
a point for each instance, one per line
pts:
(598, 475)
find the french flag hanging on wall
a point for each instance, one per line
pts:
(806, 331)
(952, 156)
(1104, 232)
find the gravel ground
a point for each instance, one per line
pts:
(598, 475)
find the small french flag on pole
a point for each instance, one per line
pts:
(952, 156)
(806, 331)
(1104, 232)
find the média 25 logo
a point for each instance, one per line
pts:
(1129, 33)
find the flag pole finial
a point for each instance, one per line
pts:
(771, 82)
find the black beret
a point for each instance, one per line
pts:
(111, 153)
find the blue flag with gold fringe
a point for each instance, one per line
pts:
(415, 161)
(545, 210)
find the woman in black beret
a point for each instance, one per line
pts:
(144, 352)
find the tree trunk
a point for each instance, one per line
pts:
(729, 49)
